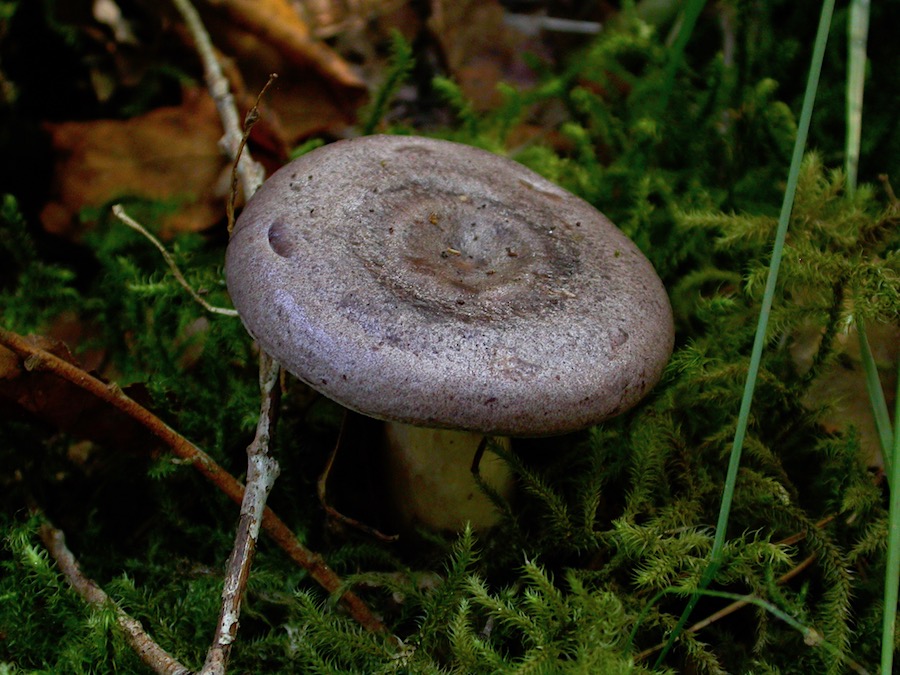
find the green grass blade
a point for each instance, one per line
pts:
(810, 635)
(892, 573)
(858, 31)
(876, 398)
(809, 98)
(857, 34)
(676, 53)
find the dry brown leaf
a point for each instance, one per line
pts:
(327, 18)
(168, 154)
(841, 387)
(26, 389)
(301, 103)
(480, 50)
(278, 25)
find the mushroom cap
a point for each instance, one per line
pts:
(433, 283)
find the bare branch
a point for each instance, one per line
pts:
(154, 656)
(262, 470)
(34, 358)
(252, 174)
(119, 212)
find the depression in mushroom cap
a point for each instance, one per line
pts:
(437, 284)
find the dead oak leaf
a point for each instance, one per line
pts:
(169, 154)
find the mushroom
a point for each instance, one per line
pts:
(452, 293)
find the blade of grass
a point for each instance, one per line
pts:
(810, 635)
(892, 573)
(877, 401)
(676, 53)
(857, 34)
(759, 341)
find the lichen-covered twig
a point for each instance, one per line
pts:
(154, 656)
(262, 470)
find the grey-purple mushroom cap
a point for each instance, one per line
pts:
(437, 284)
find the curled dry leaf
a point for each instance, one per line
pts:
(306, 100)
(278, 24)
(169, 154)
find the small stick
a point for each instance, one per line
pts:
(322, 489)
(119, 212)
(251, 119)
(262, 470)
(154, 656)
(252, 173)
(36, 358)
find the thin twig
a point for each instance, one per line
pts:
(154, 656)
(262, 470)
(119, 212)
(36, 359)
(322, 489)
(252, 173)
(251, 118)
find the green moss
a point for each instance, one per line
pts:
(611, 527)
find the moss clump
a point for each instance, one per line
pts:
(612, 527)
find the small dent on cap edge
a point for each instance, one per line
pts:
(280, 239)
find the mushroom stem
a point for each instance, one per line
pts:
(429, 476)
